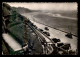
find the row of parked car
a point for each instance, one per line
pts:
(62, 47)
(45, 32)
(59, 44)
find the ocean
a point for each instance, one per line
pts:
(55, 20)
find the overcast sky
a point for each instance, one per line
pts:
(46, 6)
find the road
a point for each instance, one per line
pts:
(47, 48)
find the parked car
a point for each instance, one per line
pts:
(60, 44)
(47, 33)
(46, 28)
(66, 46)
(69, 35)
(40, 30)
(56, 40)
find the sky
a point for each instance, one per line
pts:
(45, 6)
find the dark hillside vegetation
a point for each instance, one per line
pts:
(16, 23)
